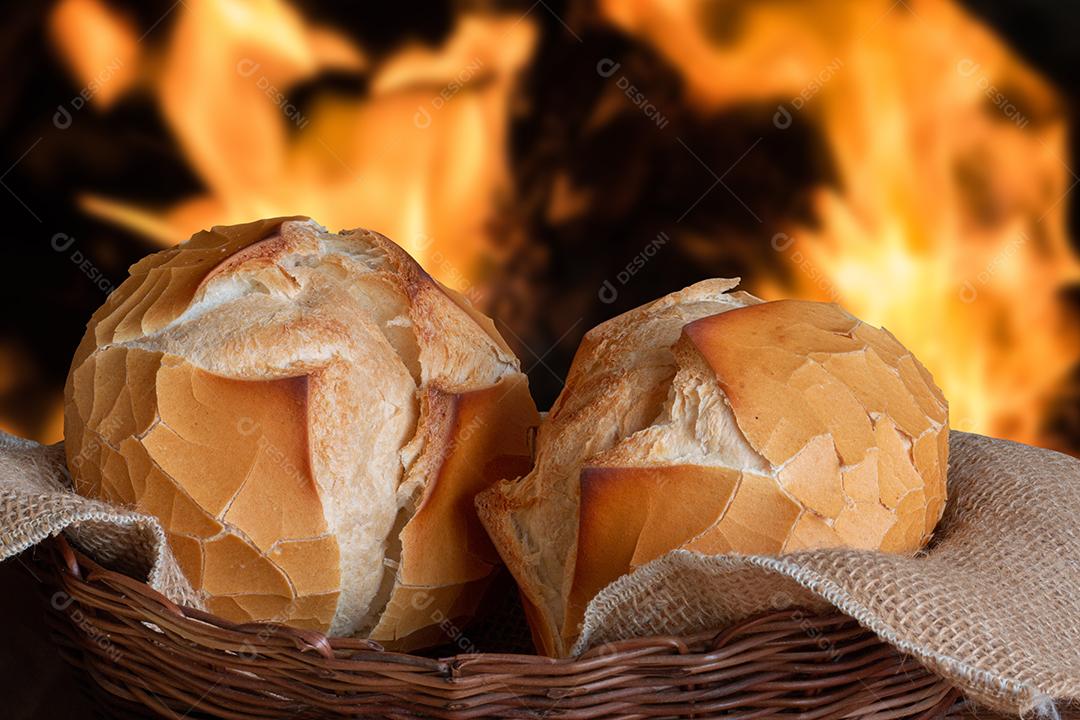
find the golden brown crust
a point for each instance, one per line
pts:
(472, 439)
(161, 286)
(822, 397)
(486, 434)
(254, 387)
(616, 385)
(783, 426)
(222, 463)
(632, 515)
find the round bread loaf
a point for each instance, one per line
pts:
(715, 422)
(310, 416)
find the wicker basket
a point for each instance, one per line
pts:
(141, 655)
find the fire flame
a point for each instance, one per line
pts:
(98, 45)
(420, 158)
(947, 226)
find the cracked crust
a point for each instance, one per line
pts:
(717, 423)
(296, 407)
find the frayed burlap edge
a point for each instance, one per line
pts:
(993, 605)
(37, 502)
(986, 688)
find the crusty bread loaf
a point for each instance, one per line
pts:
(310, 416)
(712, 421)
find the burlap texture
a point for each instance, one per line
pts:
(993, 605)
(36, 502)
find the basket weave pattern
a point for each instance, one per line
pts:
(143, 653)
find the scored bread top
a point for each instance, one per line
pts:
(762, 428)
(260, 389)
(617, 385)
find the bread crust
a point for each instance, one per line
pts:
(760, 428)
(471, 440)
(258, 388)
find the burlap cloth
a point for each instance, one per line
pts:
(36, 502)
(993, 604)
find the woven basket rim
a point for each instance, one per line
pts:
(765, 664)
(75, 562)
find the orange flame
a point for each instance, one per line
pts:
(420, 159)
(98, 45)
(948, 224)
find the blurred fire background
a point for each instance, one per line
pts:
(561, 162)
